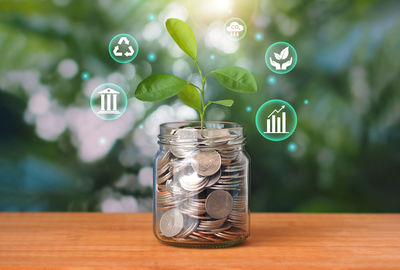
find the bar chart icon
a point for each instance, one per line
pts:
(277, 124)
(276, 120)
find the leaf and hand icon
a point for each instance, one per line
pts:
(281, 56)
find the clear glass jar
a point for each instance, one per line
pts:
(201, 185)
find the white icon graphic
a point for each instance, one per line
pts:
(234, 28)
(281, 56)
(111, 95)
(276, 124)
(116, 51)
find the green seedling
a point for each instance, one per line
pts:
(162, 86)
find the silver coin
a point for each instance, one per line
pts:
(171, 223)
(190, 224)
(188, 178)
(211, 224)
(206, 163)
(164, 160)
(213, 179)
(187, 134)
(181, 152)
(219, 204)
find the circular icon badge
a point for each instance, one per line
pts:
(276, 120)
(281, 57)
(123, 48)
(108, 101)
(235, 28)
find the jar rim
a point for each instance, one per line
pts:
(207, 125)
(189, 132)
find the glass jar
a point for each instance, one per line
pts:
(201, 185)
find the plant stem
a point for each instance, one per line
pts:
(203, 109)
(203, 106)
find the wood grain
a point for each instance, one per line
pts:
(126, 241)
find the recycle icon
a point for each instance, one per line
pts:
(116, 51)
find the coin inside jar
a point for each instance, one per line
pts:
(219, 204)
(206, 163)
(188, 178)
(171, 223)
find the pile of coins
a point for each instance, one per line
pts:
(201, 190)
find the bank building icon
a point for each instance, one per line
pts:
(112, 99)
(108, 96)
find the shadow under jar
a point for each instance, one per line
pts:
(201, 185)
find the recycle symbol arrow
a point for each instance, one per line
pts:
(118, 53)
(116, 48)
(131, 51)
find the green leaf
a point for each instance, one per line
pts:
(183, 36)
(190, 97)
(236, 79)
(223, 102)
(159, 86)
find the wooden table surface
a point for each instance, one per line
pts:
(277, 241)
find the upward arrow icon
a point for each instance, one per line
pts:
(276, 111)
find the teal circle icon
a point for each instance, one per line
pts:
(123, 48)
(235, 28)
(108, 101)
(281, 57)
(276, 120)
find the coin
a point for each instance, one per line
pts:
(214, 178)
(181, 152)
(219, 204)
(190, 225)
(206, 163)
(171, 223)
(211, 224)
(188, 178)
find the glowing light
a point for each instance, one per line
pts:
(151, 17)
(141, 126)
(212, 9)
(217, 38)
(248, 109)
(152, 57)
(259, 36)
(85, 76)
(271, 79)
(102, 141)
(292, 147)
(212, 57)
(306, 101)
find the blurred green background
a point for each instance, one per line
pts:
(56, 155)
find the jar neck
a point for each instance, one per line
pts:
(189, 134)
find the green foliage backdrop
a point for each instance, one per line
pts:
(55, 155)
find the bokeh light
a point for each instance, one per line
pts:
(152, 57)
(292, 147)
(85, 75)
(102, 140)
(271, 79)
(258, 36)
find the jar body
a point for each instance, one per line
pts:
(201, 185)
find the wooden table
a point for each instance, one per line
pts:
(277, 241)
